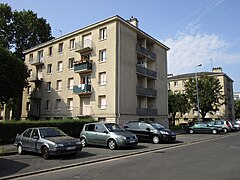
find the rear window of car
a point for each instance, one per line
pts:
(90, 127)
(27, 133)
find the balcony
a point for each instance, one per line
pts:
(146, 112)
(84, 47)
(146, 72)
(82, 89)
(37, 62)
(141, 91)
(36, 78)
(83, 67)
(146, 52)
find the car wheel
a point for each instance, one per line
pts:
(155, 139)
(191, 131)
(84, 142)
(45, 153)
(20, 149)
(214, 131)
(112, 144)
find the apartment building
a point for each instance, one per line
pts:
(226, 111)
(236, 95)
(111, 71)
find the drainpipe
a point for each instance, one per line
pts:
(118, 74)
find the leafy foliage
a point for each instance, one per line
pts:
(209, 94)
(237, 108)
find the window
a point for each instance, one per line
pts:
(48, 86)
(40, 56)
(102, 102)
(49, 68)
(100, 128)
(29, 90)
(70, 83)
(27, 133)
(175, 84)
(60, 48)
(103, 33)
(60, 66)
(47, 104)
(30, 58)
(85, 80)
(70, 63)
(90, 127)
(70, 103)
(58, 104)
(30, 73)
(50, 51)
(72, 44)
(35, 133)
(59, 85)
(102, 55)
(28, 106)
(102, 79)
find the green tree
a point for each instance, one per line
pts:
(177, 103)
(209, 94)
(237, 108)
(13, 75)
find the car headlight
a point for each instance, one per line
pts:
(78, 143)
(122, 137)
(164, 132)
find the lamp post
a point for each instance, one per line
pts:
(197, 90)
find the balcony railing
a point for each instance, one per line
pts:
(82, 89)
(147, 72)
(146, 92)
(36, 78)
(146, 52)
(85, 66)
(37, 62)
(146, 112)
(84, 46)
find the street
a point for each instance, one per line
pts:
(198, 156)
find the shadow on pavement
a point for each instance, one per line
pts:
(9, 167)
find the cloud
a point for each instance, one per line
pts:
(188, 50)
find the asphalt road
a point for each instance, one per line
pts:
(192, 157)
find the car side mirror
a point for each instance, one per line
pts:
(105, 132)
(148, 129)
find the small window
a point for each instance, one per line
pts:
(47, 104)
(103, 33)
(30, 58)
(60, 66)
(29, 90)
(70, 103)
(58, 104)
(175, 84)
(70, 83)
(70, 63)
(30, 73)
(60, 48)
(50, 49)
(35, 133)
(90, 127)
(102, 55)
(27, 133)
(99, 128)
(28, 106)
(102, 78)
(40, 56)
(102, 102)
(48, 86)
(59, 85)
(72, 44)
(49, 68)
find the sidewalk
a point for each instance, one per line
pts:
(7, 149)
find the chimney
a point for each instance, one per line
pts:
(217, 69)
(133, 21)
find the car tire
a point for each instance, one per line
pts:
(214, 131)
(20, 149)
(155, 139)
(84, 142)
(112, 144)
(191, 131)
(45, 152)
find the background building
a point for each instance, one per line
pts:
(226, 111)
(110, 70)
(236, 95)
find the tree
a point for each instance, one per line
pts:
(209, 94)
(237, 108)
(13, 75)
(20, 31)
(177, 103)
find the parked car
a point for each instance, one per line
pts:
(236, 125)
(107, 134)
(47, 141)
(204, 128)
(227, 126)
(153, 132)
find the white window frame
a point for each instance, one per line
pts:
(71, 63)
(72, 44)
(103, 33)
(102, 78)
(70, 103)
(49, 68)
(40, 56)
(59, 66)
(102, 102)
(103, 55)
(70, 83)
(60, 47)
(59, 85)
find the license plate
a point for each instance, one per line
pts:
(132, 141)
(71, 148)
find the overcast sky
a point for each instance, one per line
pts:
(197, 31)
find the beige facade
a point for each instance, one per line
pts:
(111, 71)
(226, 111)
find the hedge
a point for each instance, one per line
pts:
(9, 129)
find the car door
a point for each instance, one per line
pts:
(145, 132)
(100, 134)
(34, 140)
(90, 133)
(26, 140)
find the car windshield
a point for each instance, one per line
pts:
(113, 127)
(51, 132)
(158, 126)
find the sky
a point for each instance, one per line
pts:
(197, 31)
